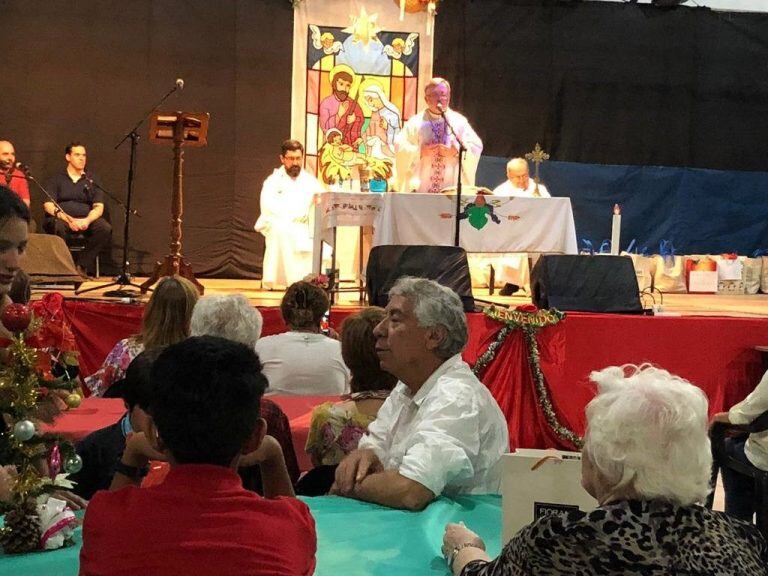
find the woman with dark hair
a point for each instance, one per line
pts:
(336, 428)
(303, 361)
(166, 321)
(14, 225)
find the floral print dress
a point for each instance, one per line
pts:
(114, 366)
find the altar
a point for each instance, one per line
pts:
(489, 224)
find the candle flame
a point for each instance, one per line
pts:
(616, 209)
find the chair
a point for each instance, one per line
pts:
(76, 243)
(760, 477)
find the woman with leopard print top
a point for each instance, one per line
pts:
(646, 460)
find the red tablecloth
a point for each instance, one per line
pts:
(95, 413)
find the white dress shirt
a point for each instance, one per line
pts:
(303, 364)
(448, 437)
(756, 448)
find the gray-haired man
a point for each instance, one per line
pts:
(440, 431)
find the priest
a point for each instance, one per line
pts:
(426, 149)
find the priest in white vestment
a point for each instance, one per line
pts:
(512, 270)
(286, 204)
(519, 183)
(427, 151)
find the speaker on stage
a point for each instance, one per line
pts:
(446, 265)
(586, 284)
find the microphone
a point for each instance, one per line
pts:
(23, 167)
(440, 109)
(179, 84)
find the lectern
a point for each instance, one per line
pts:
(181, 130)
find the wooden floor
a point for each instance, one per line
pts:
(673, 304)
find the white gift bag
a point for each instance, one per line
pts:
(753, 270)
(537, 483)
(729, 275)
(764, 275)
(644, 268)
(669, 274)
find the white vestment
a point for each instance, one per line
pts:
(433, 173)
(510, 268)
(506, 188)
(284, 222)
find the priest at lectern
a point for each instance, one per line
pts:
(426, 150)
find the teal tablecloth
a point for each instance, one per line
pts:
(354, 538)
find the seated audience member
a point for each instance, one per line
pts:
(336, 428)
(102, 449)
(646, 460)
(200, 520)
(752, 450)
(303, 361)
(166, 321)
(440, 431)
(232, 317)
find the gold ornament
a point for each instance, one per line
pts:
(73, 400)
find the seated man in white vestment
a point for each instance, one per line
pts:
(427, 152)
(512, 270)
(440, 431)
(286, 203)
(519, 183)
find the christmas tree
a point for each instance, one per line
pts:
(38, 371)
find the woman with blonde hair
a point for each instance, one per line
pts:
(166, 321)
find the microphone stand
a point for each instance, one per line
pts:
(462, 151)
(124, 278)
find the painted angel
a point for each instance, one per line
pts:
(325, 41)
(400, 47)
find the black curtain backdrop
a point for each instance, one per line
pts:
(610, 83)
(598, 83)
(88, 70)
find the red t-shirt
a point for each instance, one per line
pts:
(200, 520)
(17, 181)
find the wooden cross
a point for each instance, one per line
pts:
(537, 157)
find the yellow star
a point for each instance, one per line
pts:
(363, 28)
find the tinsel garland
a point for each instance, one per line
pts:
(530, 320)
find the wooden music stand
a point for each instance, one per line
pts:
(180, 129)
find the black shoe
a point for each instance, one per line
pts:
(509, 289)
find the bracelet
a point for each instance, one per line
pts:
(133, 472)
(451, 558)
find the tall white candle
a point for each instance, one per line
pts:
(616, 230)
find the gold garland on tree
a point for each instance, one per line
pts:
(530, 320)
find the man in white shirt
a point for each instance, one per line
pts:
(426, 150)
(519, 183)
(740, 495)
(440, 430)
(286, 201)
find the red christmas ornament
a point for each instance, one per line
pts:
(16, 317)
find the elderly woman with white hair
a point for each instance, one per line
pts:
(228, 316)
(231, 316)
(646, 460)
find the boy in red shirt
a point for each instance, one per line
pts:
(200, 520)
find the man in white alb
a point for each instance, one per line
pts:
(427, 152)
(286, 201)
(519, 183)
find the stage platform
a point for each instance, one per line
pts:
(752, 306)
(713, 341)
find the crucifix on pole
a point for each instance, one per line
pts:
(537, 157)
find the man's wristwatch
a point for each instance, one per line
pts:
(133, 472)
